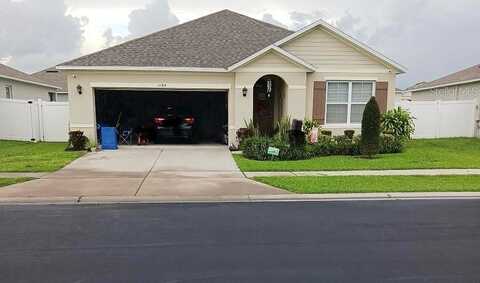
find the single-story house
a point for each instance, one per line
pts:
(58, 78)
(15, 84)
(228, 69)
(462, 85)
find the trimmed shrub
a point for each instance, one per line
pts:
(256, 147)
(349, 134)
(327, 133)
(343, 145)
(399, 123)
(324, 147)
(77, 141)
(391, 144)
(370, 142)
(356, 145)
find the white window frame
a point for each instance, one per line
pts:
(9, 89)
(349, 102)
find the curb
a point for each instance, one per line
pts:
(238, 199)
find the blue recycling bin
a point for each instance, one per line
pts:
(109, 138)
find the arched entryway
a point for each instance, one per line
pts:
(268, 102)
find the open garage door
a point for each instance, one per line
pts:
(165, 116)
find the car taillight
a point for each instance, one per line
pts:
(159, 120)
(189, 120)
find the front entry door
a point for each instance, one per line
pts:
(264, 107)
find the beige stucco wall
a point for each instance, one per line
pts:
(461, 92)
(25, 91)
(82, 107)
(293, 75)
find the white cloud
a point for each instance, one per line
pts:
(269, 19)
(155, 16)
(36, 35)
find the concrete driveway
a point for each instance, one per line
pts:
(158, 171)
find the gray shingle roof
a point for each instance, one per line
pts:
(469, 74)
(217, 40)
(6, 71)
(54, 77)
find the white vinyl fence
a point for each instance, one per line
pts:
(34, 120)
(443, 119)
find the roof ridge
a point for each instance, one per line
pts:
(256, 20)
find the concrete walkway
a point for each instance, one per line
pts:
(420, 172)
(151, 171)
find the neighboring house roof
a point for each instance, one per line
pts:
(468, 75)
(219, 42)
(53, 76)
(16, 75)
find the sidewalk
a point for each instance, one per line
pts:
(419, 172)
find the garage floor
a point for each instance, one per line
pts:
(168, 170)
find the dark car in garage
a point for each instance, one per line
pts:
(174, 123)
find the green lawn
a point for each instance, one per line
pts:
(374, 184)
(10, 181)
(454, 153)
(34, 157)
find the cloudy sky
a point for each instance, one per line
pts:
(430, 37)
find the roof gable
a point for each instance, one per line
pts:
(16, 75)
(275, 58)
(218, 40)
(53, 76)
(346, 38)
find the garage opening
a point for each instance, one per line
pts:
(164, 116)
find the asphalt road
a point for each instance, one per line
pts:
(376, 241)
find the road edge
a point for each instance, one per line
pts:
(85, 200)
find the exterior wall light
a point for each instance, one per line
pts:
(79, 89)
(244, 91)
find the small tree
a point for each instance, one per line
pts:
(370, 142)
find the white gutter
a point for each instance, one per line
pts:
(151, 69)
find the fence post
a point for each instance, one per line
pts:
(32, 121)
(40, 122)
(438, 114)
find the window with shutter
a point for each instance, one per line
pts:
(346, 101)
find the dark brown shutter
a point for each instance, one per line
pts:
(381, 94)
(319, 99)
